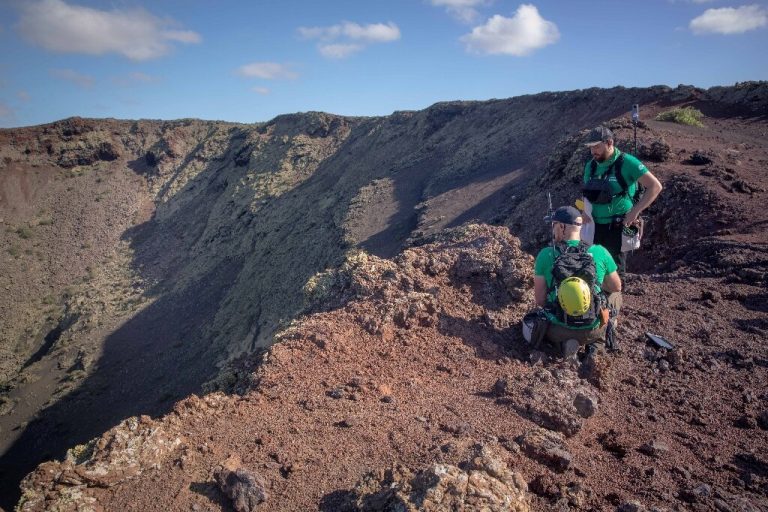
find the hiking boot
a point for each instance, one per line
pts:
(570, 347)
(611, 341)
(537, 357)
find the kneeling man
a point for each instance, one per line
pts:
(578, 289)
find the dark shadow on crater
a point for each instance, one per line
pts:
(487, 342)
(152, 361)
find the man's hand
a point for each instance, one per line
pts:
(652, 189)
(631, 217)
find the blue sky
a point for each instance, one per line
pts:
(249, 61)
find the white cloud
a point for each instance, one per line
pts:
(339, 51)
(23, 95)
(344, 39)
(267, 71)
(73, 76)
(372, 33)
(261, 90)
(135, 34)
(463, 10)
(519, 35)
(730, 20)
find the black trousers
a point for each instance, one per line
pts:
(609, 236)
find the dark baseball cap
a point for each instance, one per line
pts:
(598, 135)
(566, 215)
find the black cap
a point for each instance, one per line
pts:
(566, 215)
(598, 135)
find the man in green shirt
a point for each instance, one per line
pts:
(611, 179)
(566, 229)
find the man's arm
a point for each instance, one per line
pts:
(611, 282)
(652, 189)
(540, 290)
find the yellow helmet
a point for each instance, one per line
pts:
(574, 296)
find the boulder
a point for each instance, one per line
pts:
(547, 448)
(549, 399)
(245, 488)
(485, 483)
(656, 151)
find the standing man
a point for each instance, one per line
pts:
(610, 183)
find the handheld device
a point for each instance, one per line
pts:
(635, 120)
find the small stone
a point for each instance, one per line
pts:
(614, 443)
(449, 448)
(336, 393)
(711, 295)
(663, 365)
(546, 447)
(347, 423)
(654, 448)
(387, 399)
(676, 357)
(684, 473)
(696, 494)
(745, 421)
(458, 429)
(721, 505)
(500, 387)
(585, 405)
(698, 420)
(631, 381)
(762, 420)
(631, 506)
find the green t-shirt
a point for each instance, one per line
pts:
(631, 169)
(545, 260)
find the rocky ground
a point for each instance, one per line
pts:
(415, 391)
(408, 386)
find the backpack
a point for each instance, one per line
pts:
(575, 261)
(598, 190)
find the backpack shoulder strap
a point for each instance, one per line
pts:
(592, 168)
(561, 248)
(583, 246)
(617, 165)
